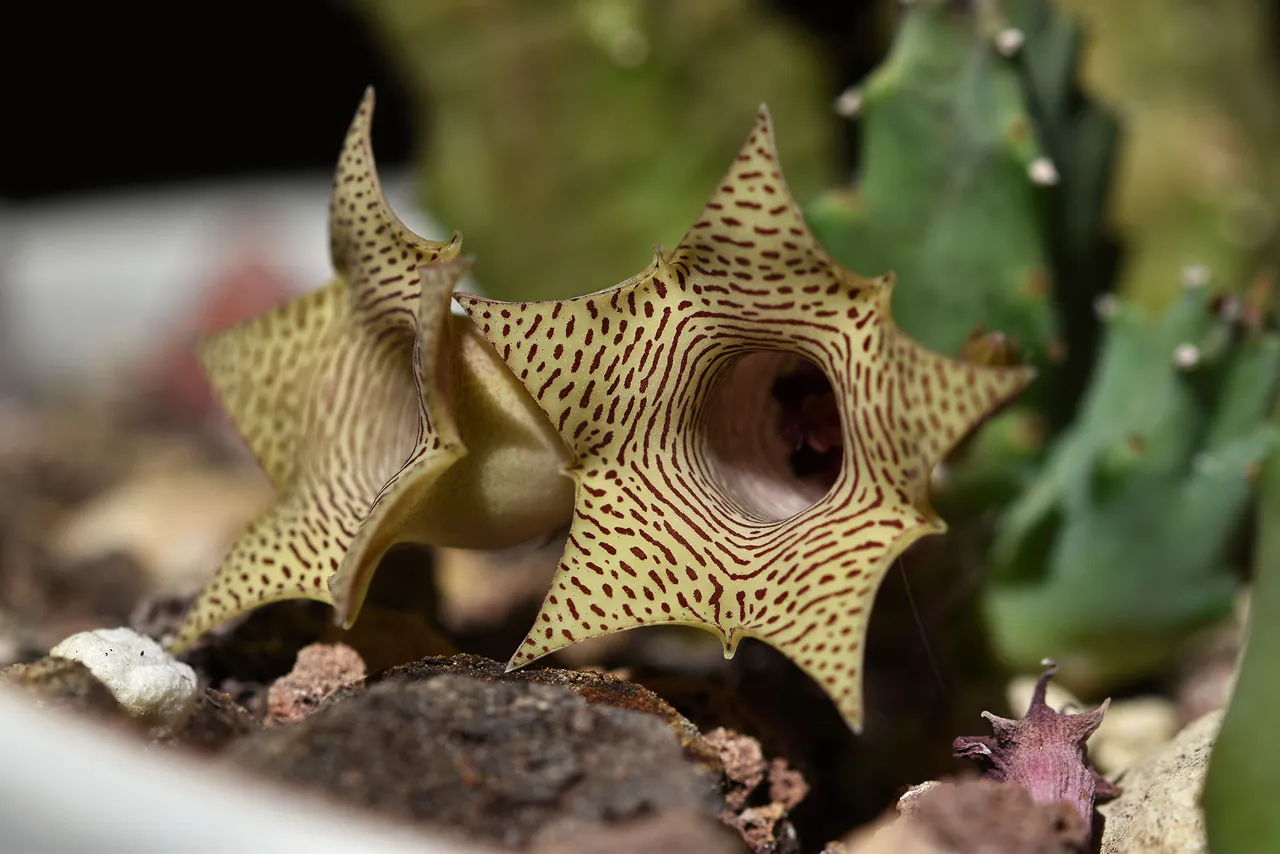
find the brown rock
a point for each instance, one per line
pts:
(1159, 810)
(503, 760)
(217, 721)
(673, 830)
(910, 800)
(320, 670)
(992, 817)
(595, 688)
(66, 684)
(971, 817)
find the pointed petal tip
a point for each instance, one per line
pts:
(763, 125)
(471, 302)
(344, 615)
(998, 723)
(1097, 714)
(1085, 724)
(444, 273)
(1042, 684)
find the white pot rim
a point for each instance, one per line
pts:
(70, 784)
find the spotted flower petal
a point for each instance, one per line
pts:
(361, 401)
(688, 507)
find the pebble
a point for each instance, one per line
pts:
(152, 686)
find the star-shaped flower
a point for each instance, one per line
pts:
(687, 510)
(379, 416)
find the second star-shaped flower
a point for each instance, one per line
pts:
(379, 416)
(688, 510)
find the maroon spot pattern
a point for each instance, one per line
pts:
(627, 375)
(334, 394)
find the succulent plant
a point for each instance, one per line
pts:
(674, 392)
(1244, 769)
(379, 416)
(1119, 548)
(944, 196)
(983, 184)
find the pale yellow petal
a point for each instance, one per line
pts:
(685, 510)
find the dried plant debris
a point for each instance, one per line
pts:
(759, 815)
(688, 510)
(1044, 753)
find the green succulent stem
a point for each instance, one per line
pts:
(1244, 770)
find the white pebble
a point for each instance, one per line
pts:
(147, 682)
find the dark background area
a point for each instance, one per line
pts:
(107, 95)
(144, 93)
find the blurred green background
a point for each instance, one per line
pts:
(573, 135)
